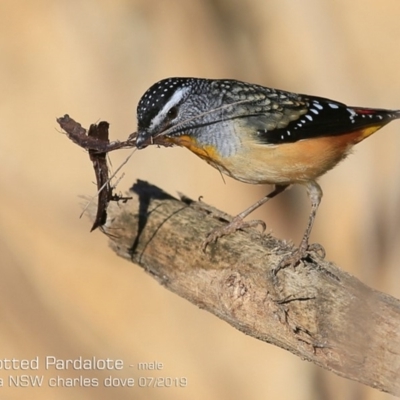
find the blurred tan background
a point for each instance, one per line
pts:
(64, 293)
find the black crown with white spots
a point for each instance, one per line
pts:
(157, 96)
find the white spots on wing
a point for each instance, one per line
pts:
(318, 106)
(309, 117)
(313, 110)
(352, 112)
(284, 136)
(380, 116)
(333, 105)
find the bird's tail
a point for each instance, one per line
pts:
(372, 119)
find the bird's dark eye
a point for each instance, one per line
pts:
(172, 113)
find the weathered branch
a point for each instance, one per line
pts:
(316, 311)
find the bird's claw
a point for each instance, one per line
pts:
(303, 252)
(316, 249)
(236, 224)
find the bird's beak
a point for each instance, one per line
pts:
(143, 139)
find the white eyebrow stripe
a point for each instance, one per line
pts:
(175, 99)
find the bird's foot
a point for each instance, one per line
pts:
(304, 251)
(236, 224)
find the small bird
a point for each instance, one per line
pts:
(256, 135)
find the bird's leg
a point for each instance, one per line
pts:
(239, 223)
(315, 195)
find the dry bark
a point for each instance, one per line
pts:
(316, 311)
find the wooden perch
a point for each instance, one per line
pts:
(315, 311)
